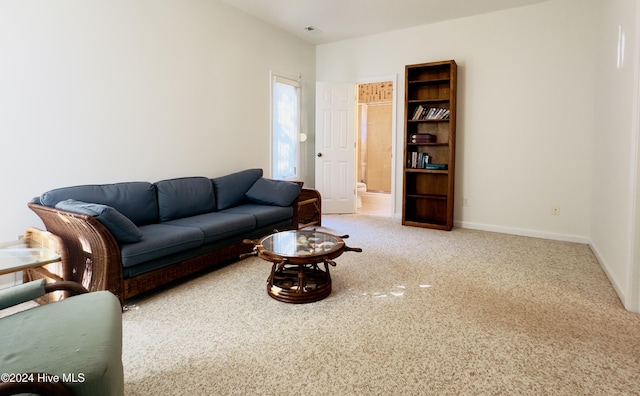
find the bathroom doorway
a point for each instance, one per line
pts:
(375, 148)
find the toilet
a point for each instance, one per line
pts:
(361, 188)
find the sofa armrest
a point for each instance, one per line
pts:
(19, 294)
(70, 286)
(29, 291)
(92, 253)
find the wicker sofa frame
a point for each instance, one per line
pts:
(93, 256)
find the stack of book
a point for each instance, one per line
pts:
(418, 160)
(422, 138)
(430, 113)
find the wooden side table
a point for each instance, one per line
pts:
(39, 254)
(309, 208)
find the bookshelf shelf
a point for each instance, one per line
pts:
(412, 101)
(433, 171)
(427, 144)
(430, 127)
(433, 81)
(428, 196)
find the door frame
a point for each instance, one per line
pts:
(394, 130)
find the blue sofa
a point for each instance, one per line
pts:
(132, 237)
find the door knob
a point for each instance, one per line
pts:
(319, 154)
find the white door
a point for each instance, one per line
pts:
(335, 146)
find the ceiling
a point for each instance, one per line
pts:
(336, 20)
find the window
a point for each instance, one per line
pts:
(285, 144)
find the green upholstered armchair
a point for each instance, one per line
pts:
(68, 347)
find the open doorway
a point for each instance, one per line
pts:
(374, 156)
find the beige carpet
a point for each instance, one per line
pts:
(418, 312)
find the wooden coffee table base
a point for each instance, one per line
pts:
(301, 259)
(299, 283)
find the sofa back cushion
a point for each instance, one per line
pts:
(135, 200)
(230, 189)
(273, 192)
(184, 197)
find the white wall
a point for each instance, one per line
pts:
(525, 110)
(546, 116)
(118, 90)
(615, 219)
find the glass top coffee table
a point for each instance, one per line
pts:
(19, 255)
(301, 260)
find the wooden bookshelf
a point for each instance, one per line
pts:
(430, 141)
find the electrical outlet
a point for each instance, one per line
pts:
(555, 210)
(465, 201)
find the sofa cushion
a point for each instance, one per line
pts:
(273, 192)
(136, 200)
(159, 240)
(185, 196)
(217, 225)
(230, 189)
(122, 229)
(265, 214)
(80, 335)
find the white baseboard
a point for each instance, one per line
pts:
(523, 232)
(558, 237)
(622, 295)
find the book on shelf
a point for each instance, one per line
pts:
(418, 160)
(430, 113)
(422, 138)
